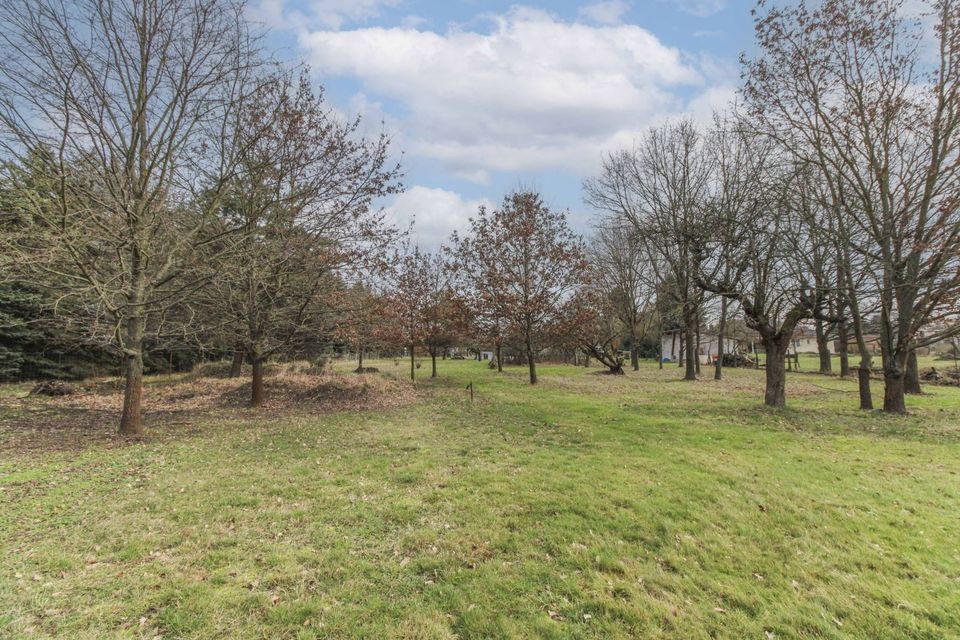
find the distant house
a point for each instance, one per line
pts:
(805, 341)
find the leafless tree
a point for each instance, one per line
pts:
(660, 187)
(872, 94)
(136, 102)
(771, 282)
(623, 279)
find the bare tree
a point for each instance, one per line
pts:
(872, 95)
(660, 187)
(136, 101)
(624, 279)
(771, 284)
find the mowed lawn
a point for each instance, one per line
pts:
(586, 507)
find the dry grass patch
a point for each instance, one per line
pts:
(175, 405)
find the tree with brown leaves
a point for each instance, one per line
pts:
(303, 194)
(527, 261)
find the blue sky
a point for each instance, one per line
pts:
(482, 97)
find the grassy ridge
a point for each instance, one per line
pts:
(588, 507)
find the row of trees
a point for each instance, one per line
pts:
(165, 183)
(830, 193)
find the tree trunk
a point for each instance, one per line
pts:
(499, 358)
(697, 355)
(131, 423)
(635, 357)
(256, 385)
(531, 363)
(843, 340)
(776, 390)
(863, 383)
(433, 363)
(660, 351)
(893, 392)
(911, 381)
(236, 367)
(413, 364)
(360, 359)
(863, 372)
(718, 366)
(691, 354)
(823, 349)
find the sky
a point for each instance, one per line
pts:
(483, 97)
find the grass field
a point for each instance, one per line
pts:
(587, 507)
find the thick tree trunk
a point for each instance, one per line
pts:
(531, 363)
(864, 371)
(413, 364)
(718, 366)
(360, 359)
(893, 392)
(843, 339)
(131, 423)
(499, 358)
(433, 363)
(823, 349)
(863, 384)
(634, 356)
(691, 354)
(911, 380)
(776, 390)
(256, 384)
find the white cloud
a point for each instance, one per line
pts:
(605, 12)
(531, 93)
(437, 213)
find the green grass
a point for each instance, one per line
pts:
(587, 507)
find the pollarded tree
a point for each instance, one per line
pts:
(303, 194)
(871, 92)
(530, 257)
(137, 103)
(764, 237)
